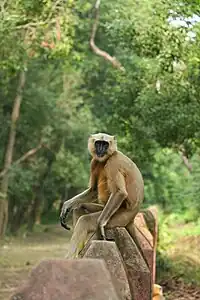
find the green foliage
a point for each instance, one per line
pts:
(177, 252)
(71, 92)
(29, 23)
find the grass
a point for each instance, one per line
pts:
(178, 260)
(19, 254)
(178, 263)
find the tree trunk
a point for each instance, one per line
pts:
(34, 210)
(9, 155)
(38, 201)
(38, 218)
(19, 218)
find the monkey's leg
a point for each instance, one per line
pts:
(87, 225)
(84, 209)
(92, 207)
(121, 218)
(88, 195)
(84, 229)
(112, 206)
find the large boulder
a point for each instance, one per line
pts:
(111, 255)
(85, 279)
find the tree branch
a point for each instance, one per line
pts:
(31, 24)
(186, 162)
(185, 159)
(97, 50)
(48, 20)
(22, 158)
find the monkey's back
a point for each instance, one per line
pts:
(132, 176)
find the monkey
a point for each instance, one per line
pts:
(113, 198)
(157, 292)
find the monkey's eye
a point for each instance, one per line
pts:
(103, 144)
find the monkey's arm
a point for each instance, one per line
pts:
(88, 195)
(118, 195)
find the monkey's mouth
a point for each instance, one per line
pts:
(101, 148)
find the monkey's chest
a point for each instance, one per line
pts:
(103, 190)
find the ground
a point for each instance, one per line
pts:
(182, 282)
(18, 255)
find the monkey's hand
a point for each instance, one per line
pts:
(63, 215)
(73, 203)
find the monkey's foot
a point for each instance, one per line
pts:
(100, 232)
(73, 251)
(103, 234)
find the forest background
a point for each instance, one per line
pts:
(128, 68)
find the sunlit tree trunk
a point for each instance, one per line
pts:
(35, 209)
(9, 155)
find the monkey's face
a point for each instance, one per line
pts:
(101, 146)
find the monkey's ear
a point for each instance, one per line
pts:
(114, 137)
(91, 138)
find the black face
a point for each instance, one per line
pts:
(101, 148)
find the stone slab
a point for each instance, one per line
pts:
(141, 238)
(138, 273)
(108, 251)
(75, 279)
(151, 219)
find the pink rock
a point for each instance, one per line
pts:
(151, 219)
(143, 241)
(138, 273)
(76, 279)
(110, 253)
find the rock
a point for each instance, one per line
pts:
(110, 253)
(85, 279)
(141, 224)
(143, 238)
(151, 219)
(138, 273)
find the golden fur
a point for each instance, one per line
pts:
(99, 180)
(115, 182)
(157, 292)
(117, 172)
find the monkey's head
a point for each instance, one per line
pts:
(102, 145)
